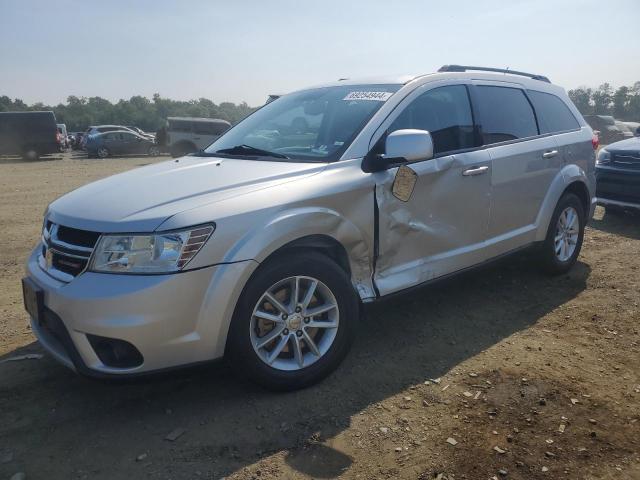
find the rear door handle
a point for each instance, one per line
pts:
(475, 171)
(550, 154)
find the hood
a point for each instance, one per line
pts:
(141, 200)
(628, 145)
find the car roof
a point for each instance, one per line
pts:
(199, 119)
(502, 76)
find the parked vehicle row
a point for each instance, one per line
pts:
(32, 134)
(610, 130)
(120, 142)
(265, 245)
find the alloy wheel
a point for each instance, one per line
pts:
(294, 323)
(567, 232)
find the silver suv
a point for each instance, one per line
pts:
(264, 246)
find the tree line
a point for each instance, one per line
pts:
(622, 103)
(80, 112)
(150, 114)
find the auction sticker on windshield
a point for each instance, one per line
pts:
(376, 96)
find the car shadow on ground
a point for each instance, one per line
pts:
(618, 222)
(229, 423)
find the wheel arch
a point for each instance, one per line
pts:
(582, 192)
(321, 243)
(571, 179)
(306, 228)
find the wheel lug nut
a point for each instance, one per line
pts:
(285, 331)
(298, 309)
(306, 320)
(299, 333)
(284, 316)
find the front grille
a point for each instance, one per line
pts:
(73, 236)
(629, 160)
(66, 250)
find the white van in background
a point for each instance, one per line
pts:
(189, 134)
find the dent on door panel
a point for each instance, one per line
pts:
(440, 229)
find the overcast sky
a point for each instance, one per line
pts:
(244, 50)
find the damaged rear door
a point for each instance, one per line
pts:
(442, 225)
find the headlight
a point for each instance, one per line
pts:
(603, 157)
(163, 252)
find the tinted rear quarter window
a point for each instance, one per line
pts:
(553, 114)
(505, 114)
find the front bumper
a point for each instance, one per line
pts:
(172, 320)
(618, 187)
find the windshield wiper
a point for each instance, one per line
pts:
(249, 150)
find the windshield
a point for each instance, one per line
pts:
(311, 125)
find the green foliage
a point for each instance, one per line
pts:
(623, 103)
(79, 112)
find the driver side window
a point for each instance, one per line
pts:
(445, 112)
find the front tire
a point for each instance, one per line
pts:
(562, 245)
(102, 152)
(294, 322)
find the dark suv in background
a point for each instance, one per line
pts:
(618, 175)
(605, 125)
(29, 134)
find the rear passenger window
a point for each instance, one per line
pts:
(446, 113)
(505, 114)
(553, 114)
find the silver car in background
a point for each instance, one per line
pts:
(264, 246)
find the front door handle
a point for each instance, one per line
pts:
(475, 171)
(550, 154)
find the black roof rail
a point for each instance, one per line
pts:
(464, 68)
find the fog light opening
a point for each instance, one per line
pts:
(115, 353)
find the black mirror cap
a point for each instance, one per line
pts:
(373, 162)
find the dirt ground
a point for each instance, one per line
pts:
(497, 373)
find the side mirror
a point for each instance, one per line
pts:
(408, 145)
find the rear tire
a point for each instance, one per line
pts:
(296, 364)
(562, 245)
(182, 149)
(31, 154)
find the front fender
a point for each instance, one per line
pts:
(263, 239)
(565, 177)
